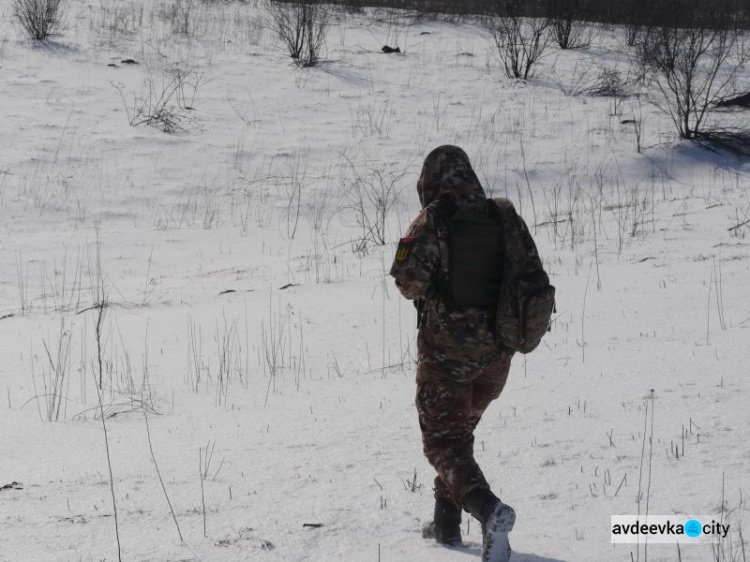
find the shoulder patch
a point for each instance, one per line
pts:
(403, 252)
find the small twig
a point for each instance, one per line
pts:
(735, 227)
(99, 392)
(624, 479)
(219, 469)
(203, 494)
(161, 481)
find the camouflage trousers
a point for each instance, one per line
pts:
(448, 414)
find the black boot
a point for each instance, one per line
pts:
(445, 527)
(479, 502)
(497, 521)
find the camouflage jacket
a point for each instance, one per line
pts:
(455, 343)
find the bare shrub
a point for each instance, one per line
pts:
(117, 17)
(568, 28)
(632, 32)
(693, 64)
(520, 41)
(609, 82)
(39, 18)
(634, 16)
(182, 11)
(164, 104)
(302, 27)
(371, 196)
(184, 17)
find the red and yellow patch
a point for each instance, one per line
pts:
(404, 249)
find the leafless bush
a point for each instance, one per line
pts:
(568, 28)
(39, 18)
(187, 82)
(118, 17)
(165, 104)
(184, 17)
(693, 63)
(632, 33)
(181, 19)
(609, 82)
(370, 197)
(301, 26)
(520, 41)
(634, 14)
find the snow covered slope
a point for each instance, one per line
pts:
(250, 317)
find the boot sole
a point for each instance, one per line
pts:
(498, 527)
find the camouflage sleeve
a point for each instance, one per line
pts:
(417, 258)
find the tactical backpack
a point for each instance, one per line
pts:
(493, 263)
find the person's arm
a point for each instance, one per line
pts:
(417, 259)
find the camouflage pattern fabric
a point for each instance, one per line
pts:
(455, 342)
(526, 298)
(447, 172)
(448, 415)
(460, 369)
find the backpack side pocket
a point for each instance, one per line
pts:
(536, 311)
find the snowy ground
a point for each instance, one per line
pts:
(256, 337)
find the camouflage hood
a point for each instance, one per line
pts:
(447, 173)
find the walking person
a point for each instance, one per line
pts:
(451, 262)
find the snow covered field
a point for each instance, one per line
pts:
(251, 322)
